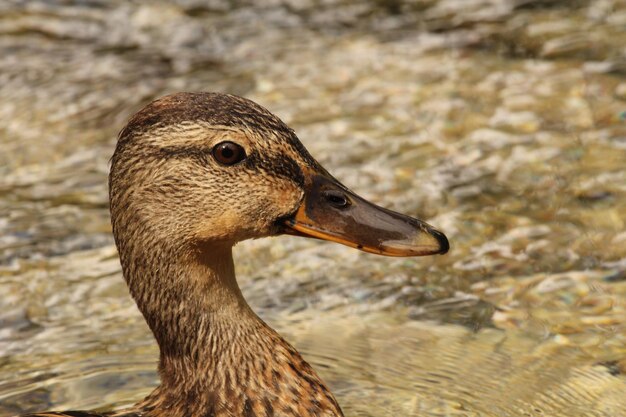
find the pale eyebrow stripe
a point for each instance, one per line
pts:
(218, 127)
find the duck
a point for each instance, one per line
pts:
(193, 174)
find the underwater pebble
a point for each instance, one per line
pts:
(522, 122)
(568, 45)
(620, 91)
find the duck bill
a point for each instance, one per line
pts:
(330, 211)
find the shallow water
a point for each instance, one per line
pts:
(501, 122)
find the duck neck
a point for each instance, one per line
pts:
(187, 296)
(216, 356)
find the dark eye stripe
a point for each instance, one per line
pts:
(279, 166)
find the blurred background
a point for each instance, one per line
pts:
(500, 122)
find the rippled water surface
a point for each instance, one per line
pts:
(501, 122)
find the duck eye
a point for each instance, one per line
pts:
(228, 153)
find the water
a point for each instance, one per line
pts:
(500, 122)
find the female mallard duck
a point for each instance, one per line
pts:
(192, 175)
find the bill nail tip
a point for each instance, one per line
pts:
(444, 244)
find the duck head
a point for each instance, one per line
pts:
(192, 175)
(208, 168)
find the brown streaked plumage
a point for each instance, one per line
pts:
(83, 414)
(177, 209)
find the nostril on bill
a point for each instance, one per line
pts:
(336, 198)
